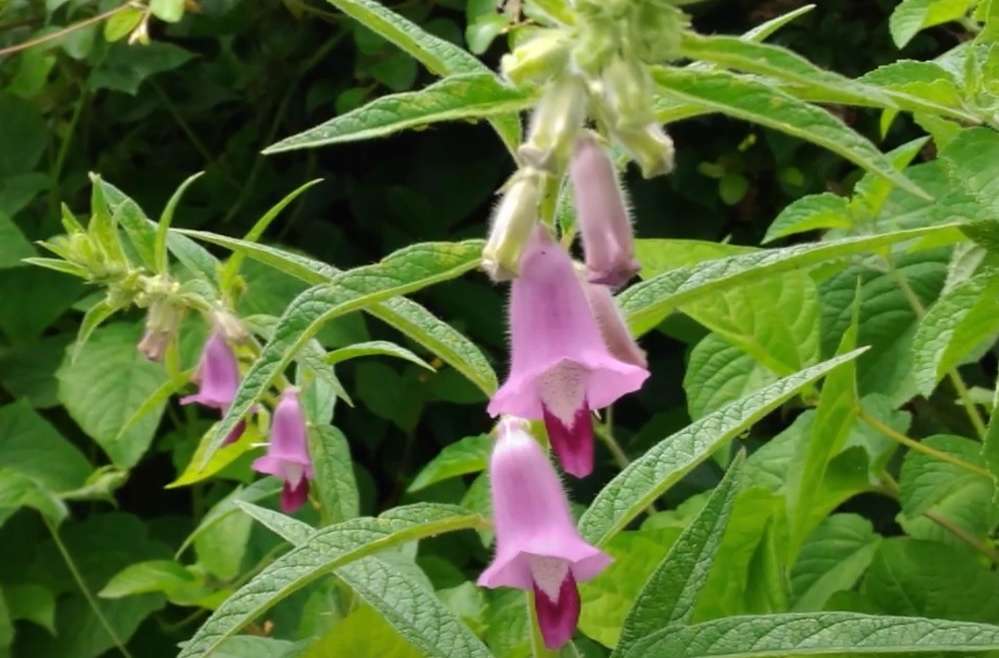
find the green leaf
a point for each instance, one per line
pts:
(259, 490)
(467, 455)
(23, 134)
(832, 559)
(402, 272)
(751, 100)
(327, 550)
(335, 485)
(95, 316)
(646, 478)
(198, 471)
(170, 11)
(911, 16)
(32, 603)
(252, 646)
(961, 320)
(647, 303)
(375, 348)
(458, 97)
(222, 546)
(19, 490)
(925, 481)
(823, 633)
(30, 446)
(990, 445)
(911, 577)
(781, 64)
(671, 592)
(122, 23)
(362, 633)
(160, 242)
(289, 528)
(164, 576)
(921, 86)
(124, 68)
(809, 213)
(764, 30)
(105, 385)
(407, 316)
(718, 373)
(13, 245)
(140, 232)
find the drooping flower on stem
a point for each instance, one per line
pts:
(561, 369)
(288, 452)
(218, 379)
(513, 222)
(602, 214)
(613, 328)
(537, 545)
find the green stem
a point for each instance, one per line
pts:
(538, 648)
(606, 434)
(917, 446)
(963, 535)
(71, 565)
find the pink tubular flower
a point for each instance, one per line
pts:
(537, 545)
(608, 239)
(560, 368)
(288, 452)
(218, 379)
(613, 328)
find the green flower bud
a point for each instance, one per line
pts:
(627, 93)
(513, 221)
(543, 56)
(554, 125)
(649, 146)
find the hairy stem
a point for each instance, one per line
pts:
(917, 446)
(963, 535)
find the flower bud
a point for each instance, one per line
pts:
(162, 321)
(555, 123)
(649, 146)
(627, 93)
(538, 59)
(513, 222)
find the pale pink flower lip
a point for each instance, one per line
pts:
(218, 379)
(288, 452)
(537, 545)
(602, 213)
(560, 364)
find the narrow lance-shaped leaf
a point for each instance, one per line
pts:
(648, 477)
(670, 593)
(764, 30)
(754, 101)
(405, 315)
(163, 226)
(815, 634)
(289, 528)
(335, 485)
(325, 551)
(648, 302)
(404, 271)
(458, 97)
(375, 348)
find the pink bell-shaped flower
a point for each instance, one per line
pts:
(613, 328)
(288, 452)
(218, 379)
(602, 213)
(560, 368)
(537, 545)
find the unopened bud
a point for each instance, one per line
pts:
(162, 321)
(513, 222)
(541, 57)
(556, 121)
(627, 93)
(650, 147)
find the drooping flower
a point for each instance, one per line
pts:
(537, 545)
(560, 368)
(288, 452)
(513, 222)
(218, 379)
(162, 321)
(602, 213)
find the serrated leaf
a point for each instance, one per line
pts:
(457, 97)
(815, 211)
(754, 101)
(911, 16)
(824, 633)
(467, 455)
(924, 480)
(375, 348)
(671, 592)
(921, 86)
(405, 315)
(646, 478)
(960, 321)
(335, 485)
(647, 303)
(327, 550)
(109, 380)
(718, 373)
(402, 272)
(781, 64)
(832, 559)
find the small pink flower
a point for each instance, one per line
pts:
(218, 379)
(608, 238)
(288, 452)
(561, 368)
(537, 545)
(612, 325)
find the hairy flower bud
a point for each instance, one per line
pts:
(540, 58)
(513, 222)
(555, 123)
(162, 321)
(650, 147)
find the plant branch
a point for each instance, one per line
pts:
(963, 535)
(71, 565)
(10, 50)
(918, 446)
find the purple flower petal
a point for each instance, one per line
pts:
(292, 497)
(558, 618)
(572, 443)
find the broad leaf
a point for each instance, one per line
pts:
(809, 213)
(467, 455)
(30, 446)
(326, 550)
(335, 485)
(911, 16)
(824, 633)
(458, 97)
(646, 478)
(671, 592)
(718, 373)
(404, 271)
(925, 481)
(832, 559)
